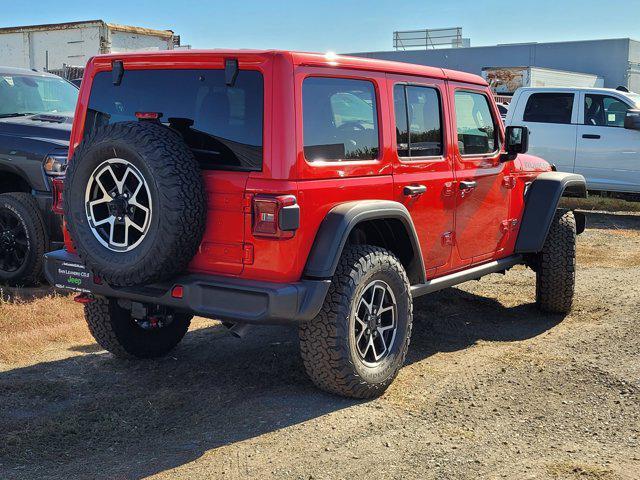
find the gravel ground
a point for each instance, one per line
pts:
(491, 389)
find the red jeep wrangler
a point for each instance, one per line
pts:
(262, 187)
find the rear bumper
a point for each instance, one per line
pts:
(235, 300)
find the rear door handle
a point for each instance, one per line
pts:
(468, 185)
(414, 190)
(591, 136)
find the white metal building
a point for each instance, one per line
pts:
(54, 46)
(616, 60)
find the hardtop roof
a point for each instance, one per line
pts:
(307, 59)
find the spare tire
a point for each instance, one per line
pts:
(135, 203)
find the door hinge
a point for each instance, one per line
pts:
(448, 238)
(247, 254)
(509, 225)
(509, 181)
(246, 203)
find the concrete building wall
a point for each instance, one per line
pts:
(606, 58)
(14, 50)
(128, 42)
(72, 46)
(634, 66)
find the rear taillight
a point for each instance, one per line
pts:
(277, 216)
(58, 190)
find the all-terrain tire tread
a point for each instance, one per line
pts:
(556, 265)
(101, 316)
(98, 317)
(325, 354)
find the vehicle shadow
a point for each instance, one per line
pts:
(93, 416)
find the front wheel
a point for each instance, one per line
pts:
(556, 265)
(117, 331)
(359, 340)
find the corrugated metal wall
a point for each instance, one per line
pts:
(606, 58)
(633, 73)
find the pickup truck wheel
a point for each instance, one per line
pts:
(23, 240)
(556, 265)
(118, 332)
(135, 203)
(359, 340)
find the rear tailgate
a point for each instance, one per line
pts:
(222, 246)
(221, 123)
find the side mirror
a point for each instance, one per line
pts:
(517, 141)
(632, 120)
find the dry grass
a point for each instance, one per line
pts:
(589, 255)
(599, 203)
(28, 328)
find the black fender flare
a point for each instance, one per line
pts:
(334, 231)
(18, 172)
(542, 199)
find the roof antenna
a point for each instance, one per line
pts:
(117, 71)
(622, 88)
(230, 71)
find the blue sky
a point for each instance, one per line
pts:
(343, 26)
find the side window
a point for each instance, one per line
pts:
(418, 125)
(604, 111)
(549, 108)
(340, 119)
(477, 132)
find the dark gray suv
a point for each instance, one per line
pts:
(36, 114)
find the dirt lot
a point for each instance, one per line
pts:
(492, 389)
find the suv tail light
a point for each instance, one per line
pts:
(277, 216)
(58, 190)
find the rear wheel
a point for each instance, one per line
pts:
(116, 330)
(359, 340)
(556, 265)
(23, 240)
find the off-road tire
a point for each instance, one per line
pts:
(25, 208)
(115, 331)
(556, 265)
(327, 353)
(178, 202)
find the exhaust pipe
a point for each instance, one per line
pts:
(238, 330)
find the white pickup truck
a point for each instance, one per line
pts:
(591, 131)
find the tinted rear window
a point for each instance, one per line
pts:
(222, 125)
(549, 108)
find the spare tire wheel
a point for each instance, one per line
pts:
(135, 203)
